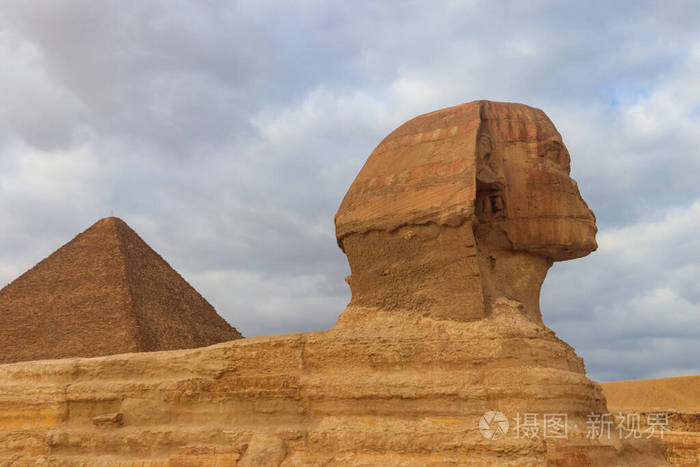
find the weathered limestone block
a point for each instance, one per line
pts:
(406, 391)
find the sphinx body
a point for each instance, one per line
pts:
(449, 229)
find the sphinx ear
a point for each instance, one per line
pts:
(490, 181)
(488, 167)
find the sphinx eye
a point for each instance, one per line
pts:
(553, 151)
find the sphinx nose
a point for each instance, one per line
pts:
(592, 214)
(589, 213)
(591, 218)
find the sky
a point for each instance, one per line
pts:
(226, 134)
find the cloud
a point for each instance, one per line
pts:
(268, 311)
(226, 135)
(637, 294)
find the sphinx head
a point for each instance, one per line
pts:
(459, 207)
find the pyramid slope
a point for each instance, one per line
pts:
(104, 292)
(170, 313)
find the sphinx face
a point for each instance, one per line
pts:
(528, 189)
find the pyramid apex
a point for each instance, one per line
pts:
(111, 220)
(112, 225)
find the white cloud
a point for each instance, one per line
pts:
(415, 92)
(258, 305)
(32, 173)
(661, 240)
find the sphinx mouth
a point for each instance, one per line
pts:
(566, 252)
(555, 236)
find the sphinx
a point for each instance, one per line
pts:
(459, 207)
(449, 229)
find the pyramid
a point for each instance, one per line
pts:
(104, 292)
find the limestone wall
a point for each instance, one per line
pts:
(398, 390)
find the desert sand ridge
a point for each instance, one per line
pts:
(679, 394)
(104, 292)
